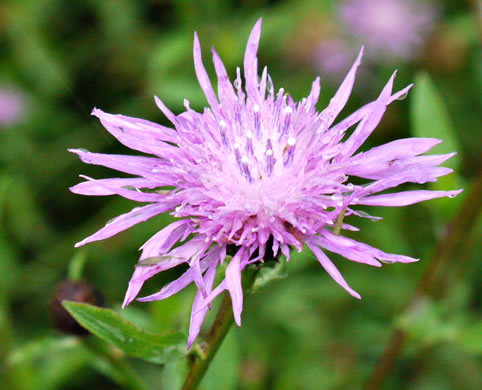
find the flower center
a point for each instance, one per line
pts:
(257, 147)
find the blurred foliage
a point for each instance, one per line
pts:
(300, 332)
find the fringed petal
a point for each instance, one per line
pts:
(125, 221)
(377, 170)
(414, 175)
(330, 268)
(141, 274)
(369, 122)
(166, 111)
(134, 165)
(338, 101)
(225, 88)
(358, 251)
(186, 278)
(161, 242)
(233, 284)
(131, 194)
(197, 314)
(103, 187)
(202, 75)
(140, 128)
(314, 95)
(405, 198)
(133, 136)
(251, 63)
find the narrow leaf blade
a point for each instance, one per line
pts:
(135, 342)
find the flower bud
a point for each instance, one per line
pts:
(77, 292)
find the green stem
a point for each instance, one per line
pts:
(76, 266)
(204, 352)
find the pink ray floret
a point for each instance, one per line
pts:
(255, 172)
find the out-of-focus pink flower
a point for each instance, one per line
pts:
(256, 172)
(332, 57)
(390, 29)
(12, 104)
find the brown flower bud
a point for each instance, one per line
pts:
(72, 291)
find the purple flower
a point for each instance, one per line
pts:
(254, 165)
(332, 57)
(11, 106)
(391, 29)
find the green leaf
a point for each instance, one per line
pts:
(430, 118)
(41, 347)
(109, 326)
(47, 363)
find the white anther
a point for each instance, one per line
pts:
(291, 141)
(287, 110)
(249, 134)
(256, 108)
(269, 152)
(222, 123)
(244, 160)
(236, 145)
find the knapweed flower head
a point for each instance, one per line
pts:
(391, 29)
(257, 172)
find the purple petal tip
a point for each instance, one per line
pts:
(453, 194)
(97, 112)
(361, 52)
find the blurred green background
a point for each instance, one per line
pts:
(62, 58)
